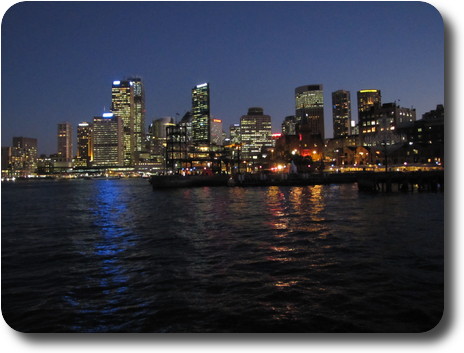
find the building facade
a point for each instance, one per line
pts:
(157, 140)
(289, 125)
(379, 124)
(255, 134)
(84, 155)
(24, 155)
(341, 113)
(108, 141)
(216, 132)
(368, 98)
(64, 142)
(309, 109)
(201, 129)
(128, 103)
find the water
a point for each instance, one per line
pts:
(115, 256)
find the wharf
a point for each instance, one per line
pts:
(402, 181)
(367, 181)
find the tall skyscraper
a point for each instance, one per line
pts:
(139, 114)
(128, 103)
(84, 144)
(234, 134)
(65, 141)
(256, 134)
(108, 141)
(368, 98)
(341, 113)
(289, 125)
(201, 130)
(216, 132)
(309, 104)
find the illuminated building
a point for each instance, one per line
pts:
(201, 131)
(368, 98)
(108, 147)
(157, 141)
(6, 161)
(378, 124)
(186, 123)
(309, 104)
(128, 103)
(24, 156)
(289, 125)
(256, 134)
(234, 134)
(426, 138)
(65, 141)
(157, 129)
(84, 144)
(216, 132)
(341, 113)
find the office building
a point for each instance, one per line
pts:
(368, 98)
(6, 161)
(201, 130)
(216, 132)
(289, 125)
(256, 134)
(84, 155)
(378, 124)
(24, 155)
(64, 139)
(128, 103)
(234, 134)
(157, 135)
(341, 113)
(108, 141)
(309, 104)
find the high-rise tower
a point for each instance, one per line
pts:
(255, 133)
(84, 144)
(341, 113)
(201, 130)
(367, 98)
(107, 137)
(309, 104)
(64, 139)
(128, 103)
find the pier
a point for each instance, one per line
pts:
(432, 181)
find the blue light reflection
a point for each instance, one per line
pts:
(103, 294)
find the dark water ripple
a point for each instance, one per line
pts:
(114, 256)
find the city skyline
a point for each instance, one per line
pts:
(394, 47)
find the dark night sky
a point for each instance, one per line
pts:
(59, 59)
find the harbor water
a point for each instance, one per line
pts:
(116, 256)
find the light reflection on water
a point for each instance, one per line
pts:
(286, 259)
(111, 241)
